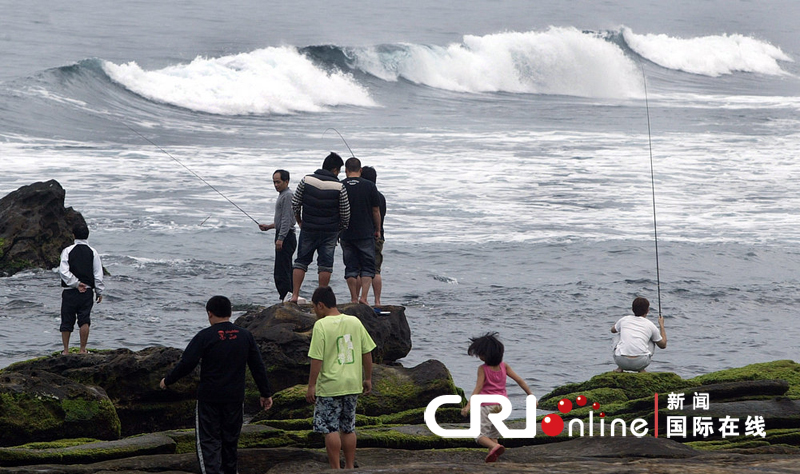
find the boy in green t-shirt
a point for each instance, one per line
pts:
(340, 348)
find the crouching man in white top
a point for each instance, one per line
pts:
(637, 338)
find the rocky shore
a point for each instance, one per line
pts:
(102, 412)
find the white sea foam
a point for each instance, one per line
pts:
(712, 55)
(562, 61)
(276, 80)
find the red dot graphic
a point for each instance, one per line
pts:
(596, 406)
(602, 414)
(581, 400)
(552, 425)
(564, 406)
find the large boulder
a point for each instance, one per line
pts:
(41, 406)
(34, 227)
(395, 389)
(131, 381)
(283, 334)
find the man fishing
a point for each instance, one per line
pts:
(285, 241)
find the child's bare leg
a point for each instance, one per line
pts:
(487, 442)
(333, 443)
(349, 448)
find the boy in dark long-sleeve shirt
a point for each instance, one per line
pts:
(222, 350)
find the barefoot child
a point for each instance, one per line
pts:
(491, 381)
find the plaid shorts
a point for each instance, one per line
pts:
(332, 414)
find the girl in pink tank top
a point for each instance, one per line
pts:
(491, 381)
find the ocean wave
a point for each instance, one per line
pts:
(559, 60)
(713, 55)
(278, 80)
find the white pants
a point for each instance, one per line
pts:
(635, 363)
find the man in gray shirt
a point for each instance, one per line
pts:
(285, 240)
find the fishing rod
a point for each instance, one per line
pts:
(340, 136)
(653, 188)
(189, 170)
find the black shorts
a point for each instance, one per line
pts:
(75, 304)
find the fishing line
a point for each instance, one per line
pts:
(189, 170)
(340, 136)
(653, 188)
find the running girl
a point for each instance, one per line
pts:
(491, 381)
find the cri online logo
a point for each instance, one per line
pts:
(552, 424)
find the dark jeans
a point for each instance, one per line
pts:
(324, 243)
(359, 257)
(217, 427)
(283, 265)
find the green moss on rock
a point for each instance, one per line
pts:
(603, 396)
(632, 385)
(776, 370)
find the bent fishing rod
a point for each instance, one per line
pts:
(189, 170)
(653, 188)
(340, 136)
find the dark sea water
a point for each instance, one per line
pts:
(510, 139)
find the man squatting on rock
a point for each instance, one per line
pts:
(637, 338)
(81, 272)
(222, 350)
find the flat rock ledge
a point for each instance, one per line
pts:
(586, 455)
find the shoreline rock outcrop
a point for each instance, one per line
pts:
(401, 442)
(283, 334)
(34, 227)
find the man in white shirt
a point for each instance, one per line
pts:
(637, 338)
(81, 276)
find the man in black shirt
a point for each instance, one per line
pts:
(358, 240)
(369, 173)
(222, 350)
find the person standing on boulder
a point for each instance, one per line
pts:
(358, 240)
(222, 350)
(369, 173)
(285, 241)
(340, 348)
(81, 272)
(637, 338)
(322, 210)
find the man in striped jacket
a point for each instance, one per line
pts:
(322, 210)
(81, 272)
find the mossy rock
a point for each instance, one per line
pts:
(40, 406)
(603, 396)
(408, 437)
(414, 416)
(395, 389)
(633, 385)
(786, 437)
(776, 370)
(75, 451)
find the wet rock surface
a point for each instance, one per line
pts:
(35, 227)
